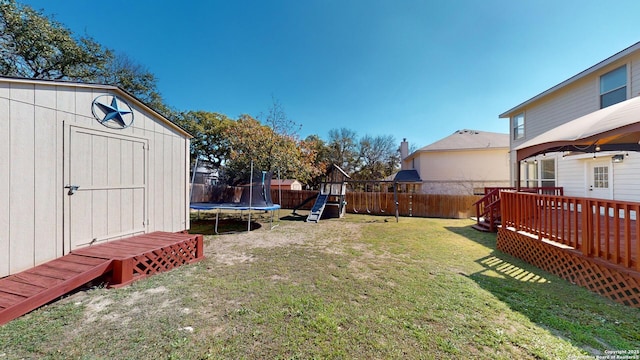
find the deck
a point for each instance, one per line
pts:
(122, 261)
(592, 242)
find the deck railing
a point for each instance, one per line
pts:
(488, 207)
(604, 229)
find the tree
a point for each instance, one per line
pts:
(378, 156)
(122, 71)
(34, 46)
(343, 149)
(280, 123)
(210, 139)
(316, 151)
(251, 141)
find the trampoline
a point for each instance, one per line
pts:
(220, 207)
(252, 196)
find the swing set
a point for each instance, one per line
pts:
(370, 197)
(373, 196)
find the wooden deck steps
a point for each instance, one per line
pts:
(124, 260)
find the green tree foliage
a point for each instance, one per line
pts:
(34, 46)
(316, 151)
(251, 141)
(136, 79)
(269, 150)
(211, 141)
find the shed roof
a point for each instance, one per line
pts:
(116, 89)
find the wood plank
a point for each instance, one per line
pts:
(66, 265)
(35, 279)
(102, 252)
(7, 300)
(78, 259)
(8, 285)
(52, 272)
(51, 280)
(34, 302)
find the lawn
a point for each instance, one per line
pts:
(361, 287)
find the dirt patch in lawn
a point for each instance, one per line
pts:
(328, 236)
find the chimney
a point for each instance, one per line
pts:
(404, 152)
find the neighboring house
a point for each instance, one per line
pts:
(286, 184)
(462, 163)
(82, 164)
(586, 169)
(205, 174)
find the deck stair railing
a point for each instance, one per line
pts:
(488, 215)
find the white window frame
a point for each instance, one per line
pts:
(609, 91)
(518, 127)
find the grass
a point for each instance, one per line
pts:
(359, 287)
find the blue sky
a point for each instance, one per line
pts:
(411, 69)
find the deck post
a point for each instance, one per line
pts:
(122, 271)
(586, 227)
(200, 246)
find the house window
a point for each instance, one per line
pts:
(548, 172)
(601, 177)
(518, 126)
(538, 173)
(529, 174)
(613, 87)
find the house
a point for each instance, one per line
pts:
(594, 167)
(82, 164)
(583, 137)
(286, 184)
(462, 163)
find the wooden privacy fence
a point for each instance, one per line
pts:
(382, 203)
(604, 229)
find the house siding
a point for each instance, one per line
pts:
(462, 171)
(626, 175)
(571, 176)
(571, 102)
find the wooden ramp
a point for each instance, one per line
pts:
(124, 260)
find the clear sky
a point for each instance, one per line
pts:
(412, 69)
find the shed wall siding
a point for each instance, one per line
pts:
(5, 170)
(34, 119)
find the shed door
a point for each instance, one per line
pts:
(110, 172)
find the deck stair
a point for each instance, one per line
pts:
(488, 211)
(318, 207)
(122, 261)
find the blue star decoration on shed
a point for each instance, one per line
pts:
(115, 114)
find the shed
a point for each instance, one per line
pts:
(82, 164)
(286, 184)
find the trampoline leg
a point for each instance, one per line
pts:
(216, 227)
(271, 223)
